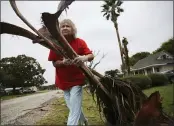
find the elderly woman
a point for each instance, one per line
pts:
(69, 77)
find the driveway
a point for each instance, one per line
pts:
(14, 108)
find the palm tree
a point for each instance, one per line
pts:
(126, 55)
(112, 10)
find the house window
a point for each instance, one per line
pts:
(157, 69)
(164, 57)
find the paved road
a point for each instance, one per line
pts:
(11, 109)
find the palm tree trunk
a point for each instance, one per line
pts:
(127, 64)
(119, 42)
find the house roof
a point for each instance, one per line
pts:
(152, 60)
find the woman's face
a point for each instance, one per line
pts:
(66, 29)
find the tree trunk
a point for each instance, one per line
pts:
(119, 42)
(127, 64)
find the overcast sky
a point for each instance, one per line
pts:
(146, 24)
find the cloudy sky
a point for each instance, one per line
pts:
(146, 24)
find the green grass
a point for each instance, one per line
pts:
(166, 93)
(59, 113)
(22, 95)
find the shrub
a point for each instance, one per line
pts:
(158, 79)
(141, 81)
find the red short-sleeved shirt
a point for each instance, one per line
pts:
(68, 76)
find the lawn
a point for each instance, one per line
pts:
(22, 95)
(59, 113)
(166, 93)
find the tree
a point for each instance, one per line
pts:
(167, 46)
(112, 10)
(2, 76)
(112, 73)
(21, 71)
(126, 55)
(138, 56)
(6, 79)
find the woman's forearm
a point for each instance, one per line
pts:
(58, 63)
(61, 63)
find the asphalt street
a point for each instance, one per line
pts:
(13, 108)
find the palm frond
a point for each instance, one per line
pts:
(105, 14)
(125, 103)
(119, 10)
(119, 2)
(108, 17)
(104, 10)
(105, 6)
(110, 2)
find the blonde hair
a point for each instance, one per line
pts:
(72, 25)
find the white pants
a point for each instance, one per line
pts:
(73, 98)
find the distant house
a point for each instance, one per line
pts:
(155, 63)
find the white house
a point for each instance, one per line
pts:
(155, 63)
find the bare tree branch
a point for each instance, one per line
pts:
(99, 61)
(92, 64)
